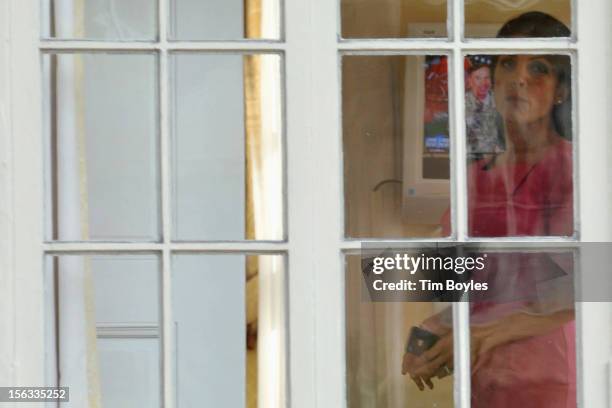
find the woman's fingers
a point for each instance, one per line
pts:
(435, 351)
(405, 364)
(432, 354)
(443, 346)
(479, 359)
(430, 369)
(409, 363)
(418, 382)
(423, 368)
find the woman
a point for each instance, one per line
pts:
(523, 353)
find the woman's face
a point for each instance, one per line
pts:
(526, 88)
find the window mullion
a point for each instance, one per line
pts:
(301, 193)
(327, 216)
(113, 46)
(422, 46)
(168, 357)
(461, 318)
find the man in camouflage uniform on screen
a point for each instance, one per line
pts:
(481, 117)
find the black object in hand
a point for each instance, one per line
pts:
(420, 341)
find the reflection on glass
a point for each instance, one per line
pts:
(520, 145)
(393, 18)
(396, 145)
(225, 19)
(227, 153)
(101, 19)
(380, 370)
(229, 330)
(523, 334)
(104, 328)
(484, 18)
(102, 138)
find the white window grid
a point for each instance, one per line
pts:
(317, 362)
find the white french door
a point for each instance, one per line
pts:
(308, 242)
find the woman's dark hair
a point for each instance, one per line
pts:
(534, 24)
(541, 25)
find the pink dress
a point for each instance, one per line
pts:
(524, 200)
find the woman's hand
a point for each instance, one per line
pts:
(483, 339)
(412, 362)
(438, 360)
(431, 363)
(440, 356)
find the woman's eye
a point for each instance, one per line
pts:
(507, 63)
(539, 68)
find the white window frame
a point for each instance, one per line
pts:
(317, 365)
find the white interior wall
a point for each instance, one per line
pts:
(126, 289)
(208, 147)
(126, 300)
(210, 321)
(207, 19)
(120, 115)
(120, 19)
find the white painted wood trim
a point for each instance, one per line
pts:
(7, 233)
(461, 315)
(140, 330)
(259, 246)
(23, 234)
(300, 184)
(328, 211)
(244, 45)
(594, 99)
(435, 45)
(168, 360)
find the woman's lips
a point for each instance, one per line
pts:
(515, 99)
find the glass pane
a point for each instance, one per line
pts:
(101, 19)
(227, 150)
(396, 145)
(103, 150)
(519, 133)
(485, 18)
(225, 19)
(385, 346)
(393, 18)
(523, 332)
(104, 328)
(229, 328)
